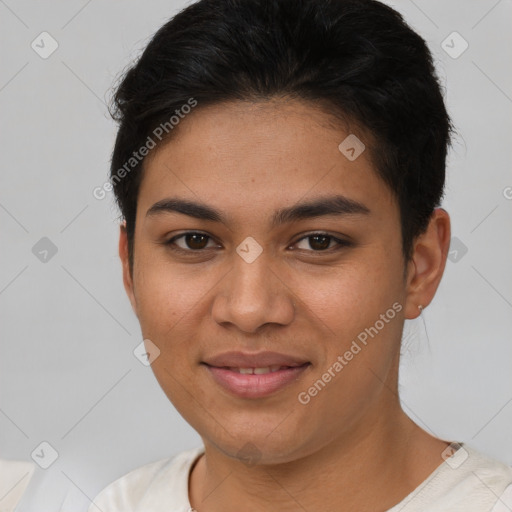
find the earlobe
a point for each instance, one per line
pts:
(428, 263)
(125, 261)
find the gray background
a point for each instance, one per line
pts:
(68, 375)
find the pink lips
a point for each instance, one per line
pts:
(224, 369)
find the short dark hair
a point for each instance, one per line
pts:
(356, 59)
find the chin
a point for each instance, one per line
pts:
(256, 444)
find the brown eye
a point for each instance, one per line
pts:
(189, 242)
(321, 242)
(196, 241)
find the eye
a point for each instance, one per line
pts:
(195, 241)
(189, 242)
(321, 242)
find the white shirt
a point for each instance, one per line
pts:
(468, 481)
(15, 476)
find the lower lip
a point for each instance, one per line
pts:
(245, 385)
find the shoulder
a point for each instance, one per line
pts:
(169, 476)
(467, 481)
(491, 478)
(474, 465)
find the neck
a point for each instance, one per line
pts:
(371, 468)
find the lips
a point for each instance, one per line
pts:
(255, 360)
(255, 375)
(258, 371)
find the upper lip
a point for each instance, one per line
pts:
(254, 360)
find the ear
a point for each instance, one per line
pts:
(427, 264)
(127, 276)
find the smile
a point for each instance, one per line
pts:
(256, 382)
(258, 371)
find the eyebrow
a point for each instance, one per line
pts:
(332, 205)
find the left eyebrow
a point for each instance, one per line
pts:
(332, 205)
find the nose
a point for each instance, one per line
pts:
(252, 295)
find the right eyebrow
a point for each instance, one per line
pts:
(319, 207)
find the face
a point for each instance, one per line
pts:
(317, 292)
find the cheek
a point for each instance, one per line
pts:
(173, 311)
(345, 300)
(168, 294)
(169, 309)
(356, 314)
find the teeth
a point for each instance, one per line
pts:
(258, 371)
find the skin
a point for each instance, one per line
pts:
(351, 447)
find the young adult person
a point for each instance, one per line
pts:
(279, 167)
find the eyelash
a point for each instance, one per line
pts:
(341, 243)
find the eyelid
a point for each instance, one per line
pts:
(173, 246)
(339, 241)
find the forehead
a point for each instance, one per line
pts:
(256, 157)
